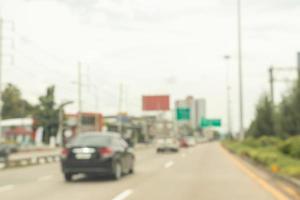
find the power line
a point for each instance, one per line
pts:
(273, 79)
(28, 41)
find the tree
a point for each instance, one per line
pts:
(47, 114)
(289, 112)
(13, 104)
(263, 124)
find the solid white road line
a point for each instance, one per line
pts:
(123, 195)
(6, 188)
(45, 178)
(169, 164)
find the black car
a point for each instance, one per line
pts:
(97, 153)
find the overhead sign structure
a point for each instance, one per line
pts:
(210, 123)
(183, 114)
(156, 103)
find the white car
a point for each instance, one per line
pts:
(167, 144)
(191, 141)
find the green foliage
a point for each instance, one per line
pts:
(291, 147)
(47, 114)
(289, 112)
(282, 120)
(263, 141)
(263, 152)
(263, 123)
(13, 104)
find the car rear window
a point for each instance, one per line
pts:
(92, 140)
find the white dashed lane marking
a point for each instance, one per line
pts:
(6, 188)
(123, 195)
(169, 164)
(45, 178)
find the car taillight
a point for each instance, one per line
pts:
(105, 152)
(65, 153)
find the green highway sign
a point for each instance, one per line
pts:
(210, 123)
(183, 114)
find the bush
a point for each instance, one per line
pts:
(291, 147)
(263, 142)
(270, 152)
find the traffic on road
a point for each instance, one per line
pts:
(149, 100)
(182, 175)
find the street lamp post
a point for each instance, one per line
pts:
(228, 91)
(240, 66)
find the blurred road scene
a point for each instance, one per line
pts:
(149, 100)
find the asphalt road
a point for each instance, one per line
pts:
(203, 172)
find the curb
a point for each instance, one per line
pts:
(289, 181)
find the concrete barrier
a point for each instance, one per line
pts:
(29, 161)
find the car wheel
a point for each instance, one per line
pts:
(131, 171)
(117, 171)
(68, 177)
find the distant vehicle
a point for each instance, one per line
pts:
(13, 148)
(200, 140)
(9, 148)
(191, 141)
(167, 144)
(4, 153)
(188, 141)
(97, 153)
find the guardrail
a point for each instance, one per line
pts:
(29, 161)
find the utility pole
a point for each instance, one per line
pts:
(271, 74)
(240, 65)
(120, 107)
(79, 125)
(1, 63)
(228, 90)
(273, 79)
(298, 64)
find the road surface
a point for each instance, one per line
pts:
(203, 172)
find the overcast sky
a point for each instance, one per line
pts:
(152, 47)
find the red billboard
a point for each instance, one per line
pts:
(156, 103)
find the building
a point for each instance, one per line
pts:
(197, 110)
(89, 122)
(19, 130)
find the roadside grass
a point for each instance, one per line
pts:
(268, 152)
